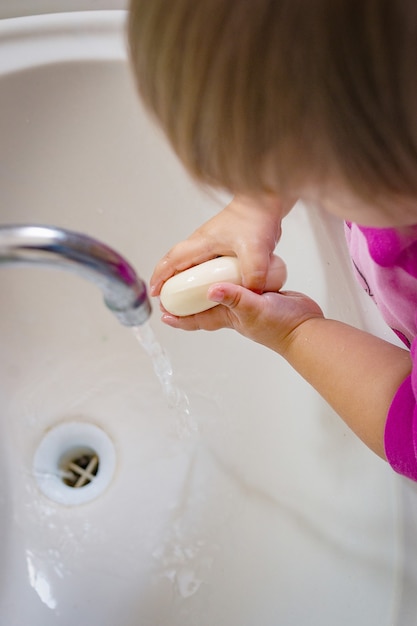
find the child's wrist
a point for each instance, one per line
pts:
(294, 342)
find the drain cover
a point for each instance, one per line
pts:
(74, 463)
(81, 470)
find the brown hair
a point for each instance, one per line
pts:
(309, 89)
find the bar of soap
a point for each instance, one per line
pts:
(186, 292)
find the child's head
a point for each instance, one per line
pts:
(284, 94)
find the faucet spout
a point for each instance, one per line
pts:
(123, 291)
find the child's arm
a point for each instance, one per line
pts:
(246, 228)
(356, 373)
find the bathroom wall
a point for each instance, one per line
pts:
(17, 8)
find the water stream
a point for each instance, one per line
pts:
(176, 398)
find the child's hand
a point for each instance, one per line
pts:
(356, 373)
(244, 229)
(269, 318)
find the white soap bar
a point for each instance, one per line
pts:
(186, 292)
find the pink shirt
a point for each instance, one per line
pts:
(385, 262)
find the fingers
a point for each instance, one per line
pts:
(204, 244)
(255, 252)
(269, 319)
(239, 306)
(190, 252)
(227, 295)
(214, 319)
(242, 229)
(277, 274)
(254, 263)
(197, 297)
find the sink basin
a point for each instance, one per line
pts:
(262, 508)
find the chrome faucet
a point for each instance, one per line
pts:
(124, 293)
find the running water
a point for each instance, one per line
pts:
(175, 397)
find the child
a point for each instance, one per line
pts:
(276, 100)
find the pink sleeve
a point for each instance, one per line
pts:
(401, 425)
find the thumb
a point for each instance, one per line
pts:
(233, 296)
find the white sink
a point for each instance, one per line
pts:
(272, 513)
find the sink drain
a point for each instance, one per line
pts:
(74, 463)
(81, 470)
